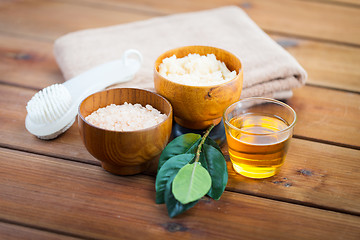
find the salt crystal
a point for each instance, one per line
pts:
(126, 117)
(195, 70)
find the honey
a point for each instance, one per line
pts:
(257, 144)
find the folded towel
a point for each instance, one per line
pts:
(269, 70)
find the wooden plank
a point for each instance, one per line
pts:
(311, 19)
(314, 174)
(349, 2)
(328, 115)
(328, 65)
(307, 19)
(28, 63)
(51, 19)
(16, 232)
(319, 159)
(86, 201)
(329, 22)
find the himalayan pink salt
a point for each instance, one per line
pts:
(126, 117)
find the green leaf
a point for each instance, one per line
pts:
(173, 206)
(191, 183)
(169, 168)
(182, 152)
(179, 145)
(215, 163)
(211, 142)
(208, 141)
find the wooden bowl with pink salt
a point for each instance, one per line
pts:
(125, 128)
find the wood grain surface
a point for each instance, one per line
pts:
(303, 18)
(30, 194)
(327, 64)
(15, 232)
(327, 115)
(26, 18)
(57, 190)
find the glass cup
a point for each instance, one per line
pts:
(258, 132)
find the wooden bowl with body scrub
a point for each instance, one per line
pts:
(199, 106)
(125, 152)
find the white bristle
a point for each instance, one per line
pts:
(49, 104)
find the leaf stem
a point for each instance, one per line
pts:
(197, 157)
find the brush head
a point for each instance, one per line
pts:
(48, 112)
(57, 133)
(49, 104)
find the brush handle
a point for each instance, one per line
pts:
(102, 76)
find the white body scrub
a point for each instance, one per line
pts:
(195, 70)
(126, 117)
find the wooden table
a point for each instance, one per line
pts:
(57, 190)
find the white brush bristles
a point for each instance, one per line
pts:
(49, 104)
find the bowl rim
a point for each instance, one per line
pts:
(264, 99)
(198, 86)
(132, 131)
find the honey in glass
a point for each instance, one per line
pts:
(258, 140)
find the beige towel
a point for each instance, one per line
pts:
(269, 70)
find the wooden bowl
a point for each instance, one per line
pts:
(125, 152)
(197, 107)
